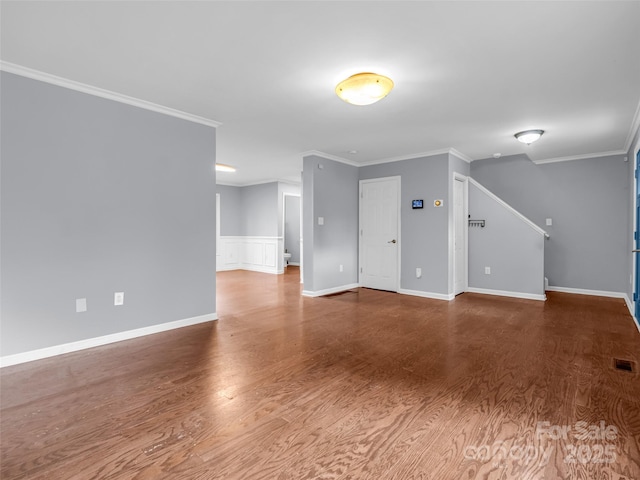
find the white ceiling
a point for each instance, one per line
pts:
(468, 75)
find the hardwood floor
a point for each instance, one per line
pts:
(362, 385)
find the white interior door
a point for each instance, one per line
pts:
(379, 233)
(459, 237)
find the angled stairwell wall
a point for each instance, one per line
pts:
(509, 244)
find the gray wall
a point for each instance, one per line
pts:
(308, 223)
(292, 227)
(330, 192)
(506, 244)
(260, 212)
(588, 201)
(230, 210)
(99, 197)
(424, 238)
(293, 189)
(254, 210)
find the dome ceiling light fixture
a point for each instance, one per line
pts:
(364, 88)
(221, 167)
(528, 136)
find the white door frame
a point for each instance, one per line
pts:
(284, 218)
(398, 180)
(635, 151)
(458, 177)
(218, 252)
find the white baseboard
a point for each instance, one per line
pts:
(294, 264)
(582, 291)
(419, 293)
(262, 269)
(629, 303)
(329, 291)
(41, 353)
(504, 293)
(249, 268)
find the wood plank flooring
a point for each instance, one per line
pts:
(362, 385)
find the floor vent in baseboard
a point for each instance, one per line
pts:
(625, 365)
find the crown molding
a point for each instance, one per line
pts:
(580, 157)
(413, 156)
(328, 156)
(261, 182)
(635, 127)
(102, 93)
(460, 155)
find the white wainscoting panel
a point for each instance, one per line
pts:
(260, 254)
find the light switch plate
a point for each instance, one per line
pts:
(549, 222)
(81, 305)
(118, 298)
(320, 220)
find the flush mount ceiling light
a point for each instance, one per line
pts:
(221, 167)
(364, 88)
(529, 136)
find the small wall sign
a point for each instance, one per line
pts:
(417, 204)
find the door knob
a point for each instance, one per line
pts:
(392, 241)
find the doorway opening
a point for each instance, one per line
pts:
(292, 232)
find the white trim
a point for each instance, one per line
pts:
(284, 226)
(250, 237)
(414, 156)
(631, 310)
(583, 291)
(504, 293)
(261, 182)
(398, 180)
(47, 352)
(635, 126)
(634, 219)
(410, 156)
(435, 296)
(585, 156)
(294, 264)
(252, 268)
(508, 207)
(328, 156)
(458, 177)
(258, 254)
(218, 226)
(101, 92)
(629, 304)
(329, 291)
(460, 155)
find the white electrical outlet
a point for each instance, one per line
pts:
(320, 220)
(118, 298)
(81, 305)
(418, 272)
(549, 222)
(487, 270)
(342, 268)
